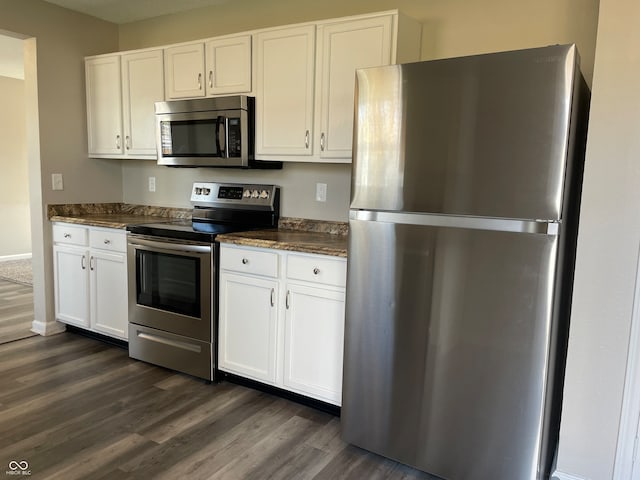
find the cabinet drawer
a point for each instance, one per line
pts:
(317, 269)
(70, 234)
(244, 260)
(108, 239)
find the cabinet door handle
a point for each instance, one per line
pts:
(322, 142)
(245, 261)
(306, 139)
(118, 141)
(273, 291)
(91, 263)
(199, 81)
(316, 271)
(82, 263)
(210, 78)
(127, 142)
(107, 241)
(67, 235)
(287, 299)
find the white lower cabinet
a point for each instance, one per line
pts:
(248, 317)
(313, 342)
(282, 319)
(90, 278)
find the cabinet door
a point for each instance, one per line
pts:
(284, 91)
(313, 344)
(142, 86)
(109, 314)
(247, 326)
(184, 71)
(228, 63)
(343, 48)
(104, 105)
(71, 284)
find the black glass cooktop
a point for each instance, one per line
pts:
(186, 230)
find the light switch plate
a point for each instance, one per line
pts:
(56, 181)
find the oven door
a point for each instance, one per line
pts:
(170, 285)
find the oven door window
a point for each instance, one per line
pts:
(168, 282)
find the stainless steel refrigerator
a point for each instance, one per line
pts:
(464, 214)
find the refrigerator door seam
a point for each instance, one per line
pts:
(544, 227)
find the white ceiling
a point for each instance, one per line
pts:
(11, 57)
(125, 11)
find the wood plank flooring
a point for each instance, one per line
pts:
(76, 408)
(16, 311)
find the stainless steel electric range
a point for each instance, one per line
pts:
(173, 275)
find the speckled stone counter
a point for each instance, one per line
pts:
(296, 234)
(113, 215)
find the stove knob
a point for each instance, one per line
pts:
(246, 193)
(254, 194)
(264, 194)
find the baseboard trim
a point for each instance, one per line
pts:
(558, 475)
(47, 328)
(20, 256)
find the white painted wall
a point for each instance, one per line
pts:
(607, 251)
(14, 179)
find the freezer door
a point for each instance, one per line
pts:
(484, 135)
(447, 339)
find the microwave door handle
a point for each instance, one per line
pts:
(221, 150)
(226, 137)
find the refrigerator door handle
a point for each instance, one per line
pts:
(544, 227)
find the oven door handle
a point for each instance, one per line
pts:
(170, 246)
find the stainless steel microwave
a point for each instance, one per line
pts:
(207, 132)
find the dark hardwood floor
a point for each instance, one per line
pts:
(16, 311)
(77, 408)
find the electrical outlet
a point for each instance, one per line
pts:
(152, 184)
(321, 192)
(56, 181)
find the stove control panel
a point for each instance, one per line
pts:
(210, 194)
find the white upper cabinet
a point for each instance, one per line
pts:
(342, 48)
(284, 110)
(142, 86)
(285, 92)
(228, 62)
(121, 92)
(219, 66)
(184, 71)
(302, 77)
(104, 105)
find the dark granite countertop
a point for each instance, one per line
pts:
(293, 234)
(292, 240)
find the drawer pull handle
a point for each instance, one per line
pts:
(67, 235)
(316, 271)
(82, 264)
(107, 241)
(245, 261)
(91, 267)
